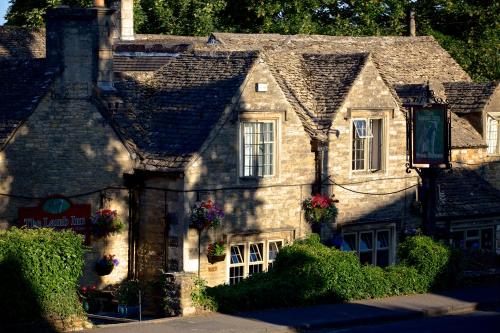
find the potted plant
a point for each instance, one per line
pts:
(206, 215)
(106, 222)
(320, 209)
(89, 297)
(128, 298)
(216, 252)
(106, 264)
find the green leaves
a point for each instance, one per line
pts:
(39, 273)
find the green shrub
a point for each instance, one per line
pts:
(437, 264)
(308, 272)
(39, 273)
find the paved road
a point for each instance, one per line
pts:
(475, 322)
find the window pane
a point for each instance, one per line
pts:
(258, 148)
(274, 248)
(256, 252)
(492, 138)
(358, 149)
(375, 144)
(383, 240)
(487, 239)
(349, 242)
(366, 242)
(235, 274)
(236, 254)
(457, 239)
(472, 233)
(383, 258)
(254, 268)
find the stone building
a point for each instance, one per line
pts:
(149, 125)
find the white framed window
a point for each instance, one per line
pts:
(252, 258)
(373, 247)
(256, 258)
(492, 137)
(258, 148)
(367, 144)
(237, 264)
(273, 248)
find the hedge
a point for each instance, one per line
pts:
(308, 272)
(39, 273)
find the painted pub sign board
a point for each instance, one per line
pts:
(59, 213)
(430, 140)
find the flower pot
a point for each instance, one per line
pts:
(128, 310)
(103, 270)
(213, 259)
(316, 228)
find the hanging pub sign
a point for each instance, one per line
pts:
(59, 213)
(430, 136)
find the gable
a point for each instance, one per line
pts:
(168, 114)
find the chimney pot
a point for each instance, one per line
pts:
(99, 3)
(413, 29)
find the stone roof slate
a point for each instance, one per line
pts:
(463, 134)
(466, 97)
(21, 43)
(23, 83)
(464, 193)
(401, 60)
(166, 116)
(316, 84)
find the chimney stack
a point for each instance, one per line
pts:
(127, 20)
(79, 41)
(412, 25)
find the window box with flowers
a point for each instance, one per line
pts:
(106, 222)
(106, 264)
(320, 209)
(216, 252)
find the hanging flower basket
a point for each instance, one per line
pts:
(206, 215)
(320, 209)
(106, 222)
(216, 252)
(106, 264)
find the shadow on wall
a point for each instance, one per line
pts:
(20, 310)
(21, 43)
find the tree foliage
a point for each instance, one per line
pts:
(468, 29)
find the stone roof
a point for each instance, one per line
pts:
(165, 116)
(467, 97)
(463, 193)
(21, 43)
(463, 134)
(23, 83)
(401, 60)
(316, 84)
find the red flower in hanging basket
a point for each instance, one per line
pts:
(320, 209)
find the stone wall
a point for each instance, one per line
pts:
(258, 208)
(369, 97)
(66, 147)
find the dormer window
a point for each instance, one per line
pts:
(492, 137)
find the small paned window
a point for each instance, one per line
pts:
(492, 137)
(256, 262)
(366, 247)
(372, 247)
(473, 239)
(382, 248)
(274, 248)
(258, 148)
(237, 264)
(367, 144)
(252, 258)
